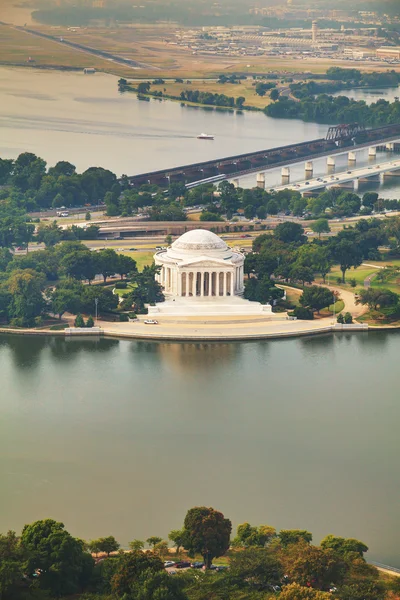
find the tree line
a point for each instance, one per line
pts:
(46, 562)
(52, 281)
(287, 257)
(341, 109)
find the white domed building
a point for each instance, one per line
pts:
(200, 274)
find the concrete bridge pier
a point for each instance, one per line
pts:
(356, 184)
(372, 152)
(309, 168)
(261, 180)
(390, 147)
(285, 172)
(352, 158)
(330, 163)
(236, 183)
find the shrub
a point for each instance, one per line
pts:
(90, 322)
(339, 280)
(132, 315)
(340, 319)
(303, 313)
(353, 283)
(121, 285)
(348, 319)
(79, 322)
(124, 317)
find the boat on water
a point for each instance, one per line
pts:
(205, 136)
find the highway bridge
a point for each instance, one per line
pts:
(351, 178)
(353, 137)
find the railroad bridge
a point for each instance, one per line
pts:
(340, 137)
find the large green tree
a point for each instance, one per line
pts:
(207, 532)
(316, 297)
(59, 559)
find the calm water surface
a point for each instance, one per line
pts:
(84, 119)
(120, 437)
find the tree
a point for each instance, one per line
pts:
(107, 262)
(126, 265)
(107, 544)
(321, 226)
(90, 322)
(347, 254)
(380, 297)
(80, 264)
(63, 564)
(316, 297)
(301, 273)
(177, 537)
(157, 585)
(312, 566)
(207, 532)
(274, 94)
(294, 591)
(369, 199)
(79, 322)
(136, 545)
(290, 232)
(143, 87)
(12, 559)
(65, 300)
(248, 535)
(161, 548)
(27, 302)
(50, 235)
(130, 567)
(343, 546)
(152, 541)
(272, 207)
(258, 565)
(368, 590)
(294, 536)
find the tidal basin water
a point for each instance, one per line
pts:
(122, 437)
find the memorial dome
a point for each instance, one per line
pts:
(199, 240)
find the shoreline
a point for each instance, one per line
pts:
(196, 335)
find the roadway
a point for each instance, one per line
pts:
(353, 174)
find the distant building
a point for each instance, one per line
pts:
(314, 31)
(392, 52)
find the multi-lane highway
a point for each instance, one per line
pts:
(337, 179)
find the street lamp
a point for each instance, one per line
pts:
(96, 301)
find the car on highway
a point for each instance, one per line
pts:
(132, 249)
(150, 322)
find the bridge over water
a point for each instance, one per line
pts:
(353, 137)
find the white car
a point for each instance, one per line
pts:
(150, 322)
(169, 563)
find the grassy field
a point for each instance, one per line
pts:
(17, 47)
(245, 89)
(154, 46)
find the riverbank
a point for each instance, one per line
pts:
(215, 331)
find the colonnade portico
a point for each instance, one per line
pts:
(202, 283)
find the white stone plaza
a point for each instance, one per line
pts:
(201, 275)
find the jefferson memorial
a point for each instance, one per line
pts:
(201, 275)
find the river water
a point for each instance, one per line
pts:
(85, 120)
(122, 437)
(118, 437)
